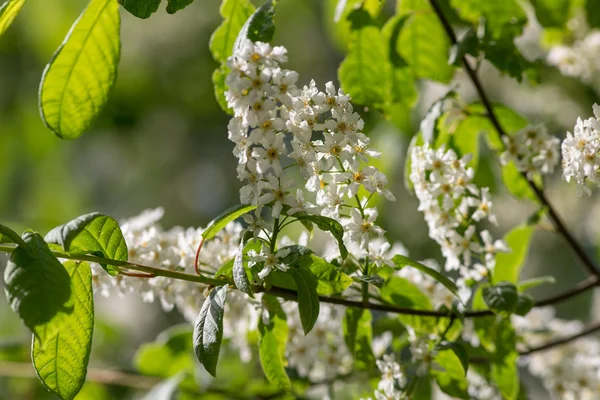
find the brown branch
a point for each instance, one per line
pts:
(560, 341)
(558, 223)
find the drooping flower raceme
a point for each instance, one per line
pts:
(580, 153)
(278, 125)
(579, 60)
(532, 150)
(452, 206)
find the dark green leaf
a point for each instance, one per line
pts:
(531, 283)
(76, 82)
(93, 233)
(593, 16)
(467, 44)
(61, 351)
(297, 256)
(36, 284)
(239, 272)
(359, 76)
(208, 330)
(504, 55)
(260, 27)
(401, 292)
(552, 13)
(235, 13)
(508, 265)
(175, 5)
(8, 13)
(329, 225)
(402, 261)
(501, 297)
(395, 57)
(140, 8)
(499, 15)
(374, 280)
(358, 335)
(271, 344)
(308, 298)
(423, 43)
(524, 305)
(231, 214)
(169, 355)
(7, 235)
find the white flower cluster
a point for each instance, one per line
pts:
(581, 60)
(322, 354)
(580, 153)
(452, 205)
(569, 371)
(325, 143)
(532, 150)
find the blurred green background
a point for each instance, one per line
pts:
(162, 141)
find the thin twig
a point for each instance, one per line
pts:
(558, 223)
(557, 342)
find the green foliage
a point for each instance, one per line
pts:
(140, 8)
(501, 298)
(401, 292)
(452, 379)
(423, 43)
(36, 284)
(231, 214)
(61, 351)
(402, 261)
(328, 225)
(358, 335)
(593, 17)
(7, 235)
(308, 298)
(77, 80)
(235, 13)
(260, 27)
(175, 5)
(169, 355)
(360, 76)
(273, 338)
(93, 233)
(240, 278)
(500, 16)
(508, 265)
(208, 329)
(330, 280)
(8, 12)
(515, 182)
(552, 13)
(534, 282)
(524, 304)
(467, 44)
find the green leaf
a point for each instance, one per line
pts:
(330, 280)
(358, 335)
(524, 305)
(61, 351)
(235, 13)
(508, 265)
(429, 124)
(401, 292)
(8, 13)
(231, 214)
(77, 80)
(423, 43)
(36, 284)
(140, 8)
(239, 272)
(395, 58)
(328, 225)
(501, 297)
(93, 233)
(169, 355)
(534, 282)
(515, 182)
(218, 78)
(175, 5)
(499, 15)
(208, 329)
(459, 351)
(467, 44)
(505, 375)
(308, 298)
(593, 17)
(363, 73)
(452, 379)
(7, 235)
(271, 344)
(374, 280)
(402, 261)
(552, 13)
(465, 140)
(260, 27)
(510, 121)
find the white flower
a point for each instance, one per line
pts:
(271, 260)
(359, 228)
(275, 191)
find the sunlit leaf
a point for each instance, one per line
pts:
(229, 215)
(170, 354)
(7, 235)
(552, 13)
(61, 351)
(8, 12)
(77, 81)
(235, 13)
(358, 335)
(509, 265)
(402, 261)
(271, 345)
